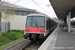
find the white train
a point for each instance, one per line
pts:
(38, 26)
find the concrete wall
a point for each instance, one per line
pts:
(18, 23)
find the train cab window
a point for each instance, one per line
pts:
(38, 21)
(28, 22)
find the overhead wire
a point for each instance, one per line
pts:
(43, 2)
(39, 6)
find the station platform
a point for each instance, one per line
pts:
(61, 40)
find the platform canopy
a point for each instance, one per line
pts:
(62, 7)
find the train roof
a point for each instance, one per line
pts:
(40, 14)
(36, 14)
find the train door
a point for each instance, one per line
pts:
(47, 26)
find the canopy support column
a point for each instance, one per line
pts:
(68, 21)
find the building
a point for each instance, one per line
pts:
(18, 22)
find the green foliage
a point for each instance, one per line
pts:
(4, 40)
(12, 35)
(21, 31)
(7, 37)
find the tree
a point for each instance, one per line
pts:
(6, 11)
(0, 16)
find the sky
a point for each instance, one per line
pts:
(40, 5)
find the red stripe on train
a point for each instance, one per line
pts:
(34, 30)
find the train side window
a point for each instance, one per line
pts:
(52, 24)
(47, 25)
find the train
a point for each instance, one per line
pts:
(38, 26)
(73, 23)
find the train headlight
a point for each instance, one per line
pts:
(27, 30)
(41, 30)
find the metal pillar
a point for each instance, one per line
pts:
(68, 21)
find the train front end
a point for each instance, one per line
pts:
(35, 27)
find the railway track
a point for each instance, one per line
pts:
(34, 45)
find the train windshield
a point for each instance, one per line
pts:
(28, 22)
(36, 21)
